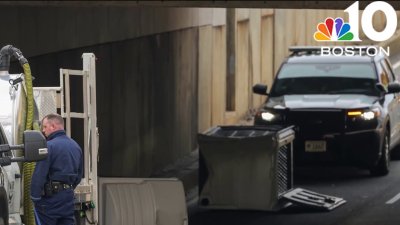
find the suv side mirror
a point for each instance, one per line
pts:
(394, 87)
(260, 89)
(35, 146)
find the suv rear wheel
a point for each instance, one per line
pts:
(382, 168)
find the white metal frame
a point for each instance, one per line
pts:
(88, 185)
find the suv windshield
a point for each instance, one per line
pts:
(325, 78)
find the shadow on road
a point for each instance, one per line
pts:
(322, 174)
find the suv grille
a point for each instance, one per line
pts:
(317, 122)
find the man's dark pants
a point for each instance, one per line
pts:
(56, 210)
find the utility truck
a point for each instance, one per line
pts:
(98, 200)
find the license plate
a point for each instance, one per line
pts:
(315, 146)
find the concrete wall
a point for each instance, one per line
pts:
(146, 98)
(43, 29)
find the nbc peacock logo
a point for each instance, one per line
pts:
(333, 30)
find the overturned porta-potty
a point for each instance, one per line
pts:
(245, 167)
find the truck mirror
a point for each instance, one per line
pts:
(260, 89)
(35, 146)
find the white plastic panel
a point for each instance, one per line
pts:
(142, 201)
(46, 100)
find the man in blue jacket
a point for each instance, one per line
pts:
(55, 178)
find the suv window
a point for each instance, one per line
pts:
(361, 70)
(324, 78)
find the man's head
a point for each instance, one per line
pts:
(52, 123)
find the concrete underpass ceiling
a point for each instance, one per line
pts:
(211, 4)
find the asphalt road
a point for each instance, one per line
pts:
(369, 201)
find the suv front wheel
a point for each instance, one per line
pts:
(382, 168)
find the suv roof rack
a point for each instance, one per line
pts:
(302, 50)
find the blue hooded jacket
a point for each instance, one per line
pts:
(64, 163)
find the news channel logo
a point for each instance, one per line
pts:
(336, 29)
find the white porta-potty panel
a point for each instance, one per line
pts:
(142, 201)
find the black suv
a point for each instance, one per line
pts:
(346, 109)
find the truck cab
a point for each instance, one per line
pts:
(34, 149)
(3, 185)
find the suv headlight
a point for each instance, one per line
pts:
(365, 114)
(270, 116)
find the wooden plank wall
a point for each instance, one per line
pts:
(205, 77)
(267, 48)
(243, 75)
(218, 75)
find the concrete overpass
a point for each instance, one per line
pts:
(211, 4)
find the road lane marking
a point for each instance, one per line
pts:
(396, 65)
(394, 199)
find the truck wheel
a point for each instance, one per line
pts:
(3, 207)
(382, 168)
